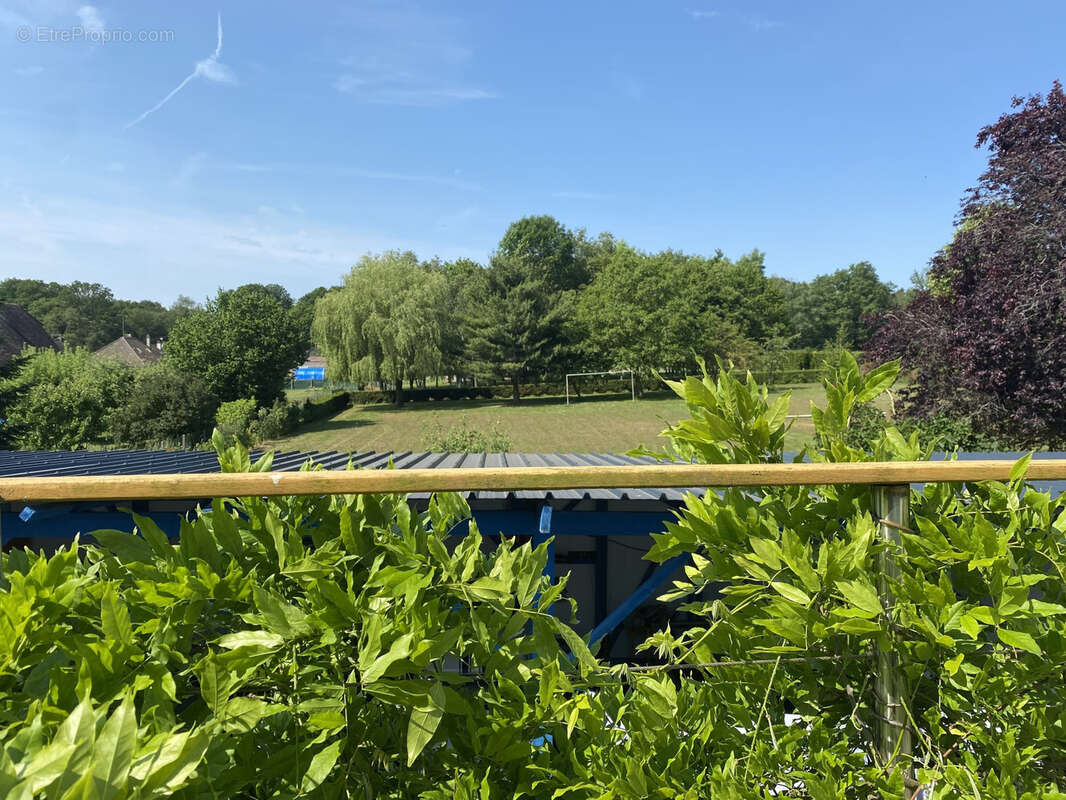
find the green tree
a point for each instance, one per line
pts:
(549, 250)
(520, 320)
(241, 344)
(386, 323)
(65, 401)
(835, 306)
(465, 283)
(517, 322)
(164, 405)
(656, 311)
(303, 311)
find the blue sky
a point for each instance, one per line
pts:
(820, 133)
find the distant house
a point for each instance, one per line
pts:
(19, 329)
(131, 350)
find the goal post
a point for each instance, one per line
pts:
(632, 381)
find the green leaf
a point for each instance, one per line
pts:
(952, 664)
(970, 625)
(1019, 639)
(216, 683)
(857, 626)
(878, 380)
(260, 639)
(424, 722)
(768, 551)
(115, 617)
(861, 595)
(1021, 466)
(790, 592)
(125, 546)
(489, 589)
(113, 751)
(798, 557)
(321, 766)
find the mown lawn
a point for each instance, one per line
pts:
(537, 425)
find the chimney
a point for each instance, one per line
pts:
(148, 340)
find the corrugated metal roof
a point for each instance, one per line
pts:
(128, 462)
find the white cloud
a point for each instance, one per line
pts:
(30, 71)
(91, 19)
(755, 22)
(182, 251)
(209, 68)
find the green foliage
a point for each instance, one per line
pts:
(462, 438)
(242, 344)
(311, 647)
(653, 312)
(64, 401)
(347, 647)
(234, 418)
(386, 322)
(940, 431)
(87, 314)
(274, 422)
(835, 306)
(975, 620)
(517, 324)
(164, 406)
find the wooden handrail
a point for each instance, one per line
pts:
(370, 481)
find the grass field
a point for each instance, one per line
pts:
(537, 425)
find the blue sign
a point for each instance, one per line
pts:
(310, 374)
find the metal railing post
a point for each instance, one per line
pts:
(891, 505)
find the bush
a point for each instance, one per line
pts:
(234, 419)
(462, 438)
(64, 401)
(345, 646)
(274, 422)
(940, 432)
(244, 664)
(164, 407)
(314, 410)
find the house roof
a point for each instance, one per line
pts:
(130, 349)
(127, 462)
(19, 328)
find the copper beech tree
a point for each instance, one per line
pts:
(986, 338)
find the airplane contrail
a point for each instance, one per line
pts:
(209, 68)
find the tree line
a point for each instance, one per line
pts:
(236, 350)
(553, 300)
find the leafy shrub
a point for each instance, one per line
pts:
(346, 647)
(940, 431)
(461, 438)
(234, 419)
(274, 422)
(314, 410)
(810, 603)
(282, 648)
(164, 406)
(64, 401)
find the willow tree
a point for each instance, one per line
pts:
(385, 323)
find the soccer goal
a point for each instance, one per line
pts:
(632, 382)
